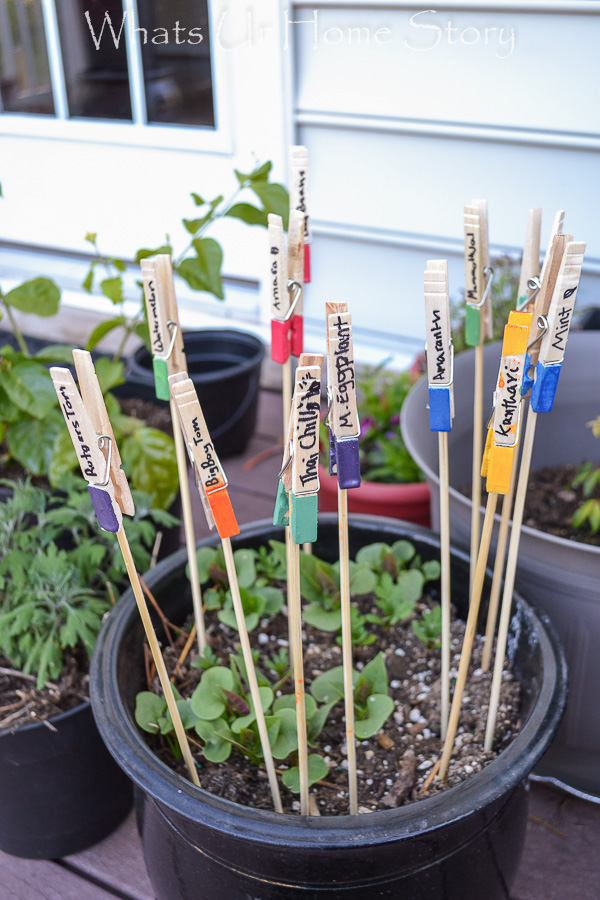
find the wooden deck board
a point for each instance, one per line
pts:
(34, 879)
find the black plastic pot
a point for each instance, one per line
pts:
(224, 365)
(60, 789)
(461, 845)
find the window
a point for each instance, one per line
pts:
(138, 61)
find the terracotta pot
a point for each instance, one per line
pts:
(409, 502)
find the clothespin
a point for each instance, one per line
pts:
(478, 275)
(284, 486)
(280, 295)
(208, 471)
(104, 482)
(439, 348)
(503, 433)
(556, 329)
(344, 427)
(543, 298)
(166, 337)
(530, 263)
(299, 198)
(295, 261)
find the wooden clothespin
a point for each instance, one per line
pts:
(503, 433)
(280, 295)
(557, 228)
(295, 261)
(554, 340)
(478, 313)
(299, 198)
(439, 346)
(530, 263)
(97, 469)
(166, 337)
(208, 471)
(344, 427)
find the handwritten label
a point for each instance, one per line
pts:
(508, 398)
(472, 274)
(200, 447)
(560, 315)
(299, 186)
(437, 322)
(156, 318)
(278, 277)
(342, 377)
(305, 436)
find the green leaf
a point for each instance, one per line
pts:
(40, 296)
(31, 442)
(274, 198)
(410, 585)
(317, 770)
(55, 353)
(145, 252)
(261, 173)
(149, 709)
(208, 700)
(63, 458)
(379, 708)
(329, 686)
(113, 289)
(217, 736)
(371, 555)
(203, 272)
(104, 328)
(8, 411)
(29, 386)
(287, 736)
(245, 568)
(110, 373)
(403, 551)
(194, 225)
(248, 213)
(253, 606)
(198, 200)
(375, 674)
(322, 619)
(88, 282)
(266, 698)
(273, 598)
(150, 463)
(431, 570)
(362, 579)
(206, 557)
(117, 263)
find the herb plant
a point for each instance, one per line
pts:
(429, 628)
(588, 514)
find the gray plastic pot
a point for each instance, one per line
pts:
(562, 577)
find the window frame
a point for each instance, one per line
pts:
(137, 133)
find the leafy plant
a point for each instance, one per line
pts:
(589, 476)
(55, 569)
(200, 262)
(429, 628)
(372, 706)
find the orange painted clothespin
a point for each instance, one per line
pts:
(166, 337)
(344, 426)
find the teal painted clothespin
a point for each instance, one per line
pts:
(166, 339)
(439, 348)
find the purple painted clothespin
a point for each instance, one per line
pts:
(344, 427)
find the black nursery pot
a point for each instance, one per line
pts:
(224, 365)
(60, 789)
(464, 844)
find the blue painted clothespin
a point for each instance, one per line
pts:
(556, 328)
(344, 427)
(439, 347)
(94, 441)
(166, 337)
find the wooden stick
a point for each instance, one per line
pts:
(530, 264)
(188, 524)
(477, 453)
(295, 627)
(250, 671)
(159, 662)
(445, 579)
(347, 648)
(465, 658)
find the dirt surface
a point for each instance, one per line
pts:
(392, 765)
(153, 414)
(552, 498)
(21, 704)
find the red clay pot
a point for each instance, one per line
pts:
(409, 502)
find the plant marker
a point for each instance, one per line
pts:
(478, 328)
(104, 487)
(298, 486)
(299, 199)
(525, 303)
(212, 485)
(168, 358)
(551, 355)
(344, 430)
(440, 375)
(498, 460)
(295, 261)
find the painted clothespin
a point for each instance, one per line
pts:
(478, 275)
(299, 198)
(344, 427)
(208, 471)
(166, 337)
(503, 433)
(556, 333)
(90, 447)
(439, 347)
(530, 263)
(295, 262)
(280, 296)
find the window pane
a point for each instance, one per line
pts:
(94, 58)
(24, 73)
(177, 69)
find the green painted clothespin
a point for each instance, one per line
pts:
(166, 339)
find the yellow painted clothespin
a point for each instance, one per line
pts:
(344, 426)
(166, 337)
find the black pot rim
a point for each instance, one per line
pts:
(175, 793)
(60, 717)
(234, 369)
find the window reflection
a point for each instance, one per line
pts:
(95, 64)
(24, 72)
(177, 64)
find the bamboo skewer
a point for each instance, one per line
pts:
(563, 287)
(440, 376)
(212, 485)
(347, 649)
(295, 630)
(169, 359)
